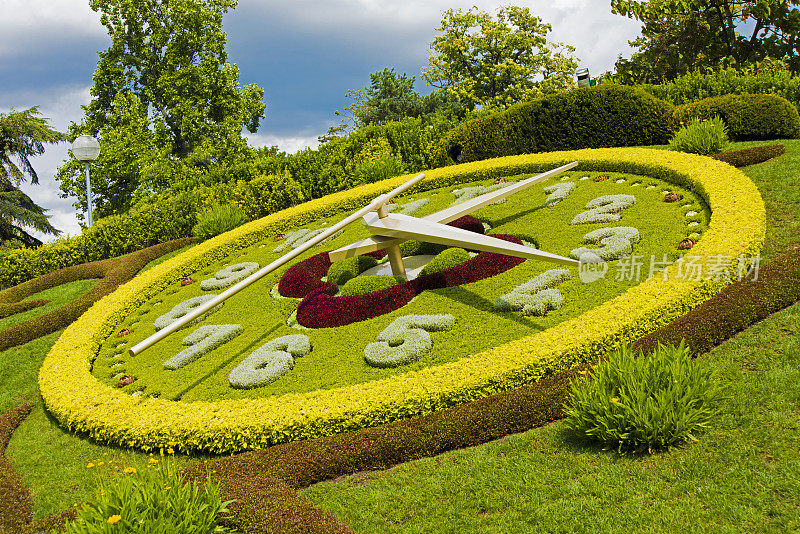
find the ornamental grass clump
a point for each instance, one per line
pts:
(640, 403)
(218, 220)
(701, 136)
(152, 501)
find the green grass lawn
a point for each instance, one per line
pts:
(742, 475)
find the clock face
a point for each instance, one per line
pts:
(371, 327)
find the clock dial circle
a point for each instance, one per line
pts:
(250, 373)
(488, 299)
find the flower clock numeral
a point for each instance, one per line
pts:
(229, 275)
(537, 296)
(269, 362)
(558, 192)
(615, 242)
(203, 340)
(406, 340)
(604, 209)
(182, 309)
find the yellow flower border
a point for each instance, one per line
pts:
(82, 404)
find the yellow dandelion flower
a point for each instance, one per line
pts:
(114, 519)
(99, 464)
(152, 461)
(170, 450)
(89, 465)
(172, 443)
(130, 470)
(615, 399)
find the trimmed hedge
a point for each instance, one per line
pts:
(113, 273)
(750, 156)
(112, 236)
(15, 499)
(170, 216)
(733, 309)
(748, 117)
(586, 117)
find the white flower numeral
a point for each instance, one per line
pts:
(179, 310)
(558, 192)
(269, 362)
(536, 296)
(604, 209)
(203, 340)
(616, 242)
(229, 275)
(406, 340)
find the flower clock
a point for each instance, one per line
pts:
(452, 287)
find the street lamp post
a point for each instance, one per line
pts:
(86, 149)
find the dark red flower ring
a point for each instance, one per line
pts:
(304, 277)
(320, 309)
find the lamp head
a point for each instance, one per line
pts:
(86, 148)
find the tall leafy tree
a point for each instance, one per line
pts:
(22, 136)
(391, 97)
(165, 101)
(497, 61)
(680, 36)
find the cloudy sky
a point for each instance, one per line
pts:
(306, 54)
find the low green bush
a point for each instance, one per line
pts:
(446, 259)
(701, 136)
(157, 501)
(367, 284)
(750, 156)
(219, 219)
(341, 271)
(587, 117)
(748, 117)
(642, 403)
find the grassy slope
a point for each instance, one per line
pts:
(53, 462)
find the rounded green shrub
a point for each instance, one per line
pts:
(748, 117)
(218, 220)
(153, 501)
(367, 284)
(644, 403)
(444, 260)
(586, 117)
(341, 271)
(420, 248)
(701, 136)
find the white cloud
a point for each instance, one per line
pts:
(26, 23)
(403, 30)
(288, 144)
